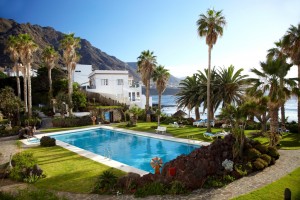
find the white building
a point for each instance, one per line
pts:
(114, 84)
(81, 74)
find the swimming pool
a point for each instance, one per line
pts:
(131, 149)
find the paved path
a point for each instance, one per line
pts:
(288, 161)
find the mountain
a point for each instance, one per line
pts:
(44, 36)
(173, 81)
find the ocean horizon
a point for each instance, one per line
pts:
(169, 107)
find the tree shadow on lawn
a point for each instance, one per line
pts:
(290, 140)
(79, 181)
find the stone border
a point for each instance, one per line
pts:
(105, 160)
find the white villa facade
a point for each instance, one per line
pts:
(114, 84)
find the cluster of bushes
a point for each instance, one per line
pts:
(108, 183)
(25, 168)
(9, 132)
(256, 157)
(292, 127)
(71, 121)
(218, 181)
(30, 195)
(47, 141)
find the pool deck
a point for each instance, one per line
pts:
(105, 160)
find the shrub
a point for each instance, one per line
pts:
(13, 131)
(213, 181)
(240, 170)
(5, 196)
(266, 158)
(253, 153)
(228, 179)
(262, 148)
(272, 151)
(31, 195)
(218, 181)
(260, 164)
(106, 183)
(71, 121)
(292, 127)
(177, 188)
(249, 166)
(47, 141)
(154, 188)
(21, 161)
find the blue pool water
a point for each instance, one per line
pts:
(133, 150)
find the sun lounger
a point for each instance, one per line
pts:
(211, 135)
(161, 129)
(199, 123)
(226, 125)
(175, 124)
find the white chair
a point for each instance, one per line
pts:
(161, 129)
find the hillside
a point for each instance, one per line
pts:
(172, 81)
(44, 36)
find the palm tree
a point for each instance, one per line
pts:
(189, 94)
(13, 51)
(146, 66)
(230, 86)
(269, 82)
(278, 53)
(210, 26)
(69, 44)
(161, 77)
(27, 48)
(291, 45)
(50, 56)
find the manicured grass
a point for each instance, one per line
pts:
(188, 132)
(289, 140)
(276, 189)
(67, 171)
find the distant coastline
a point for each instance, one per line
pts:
(168, 91)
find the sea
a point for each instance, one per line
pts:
(169, 107)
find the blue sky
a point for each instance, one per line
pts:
(125, 28)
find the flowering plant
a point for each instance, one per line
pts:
(228, 165)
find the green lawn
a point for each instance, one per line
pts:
(67, 171)
(191, 132)
(289, 140)
(276, 189)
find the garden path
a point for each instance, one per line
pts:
(288, 161)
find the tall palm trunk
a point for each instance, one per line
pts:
(50, 85)
(264, 123)
(273, 125)
(18, 79)
(298, 100)
(274, 118)
(208, 90)
(197, 113)
(29, 91)
(70, 88)
(282, 109)
(159, 108)
(25, 89)
(148, 117)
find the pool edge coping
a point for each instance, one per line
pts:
(107, 161)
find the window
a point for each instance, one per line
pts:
(137, 94)
(104, 81)
(119, 81)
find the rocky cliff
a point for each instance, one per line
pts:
(44, 36)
